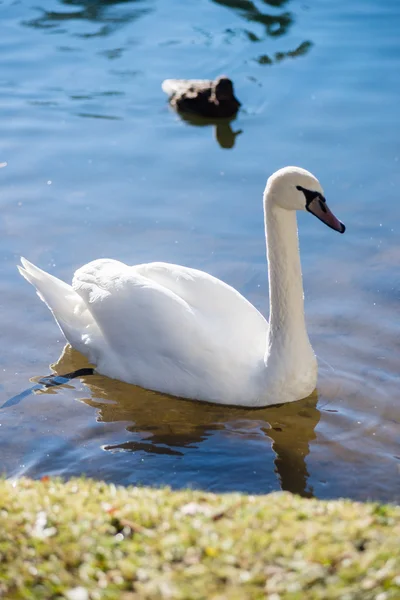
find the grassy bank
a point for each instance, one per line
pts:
(86, 540)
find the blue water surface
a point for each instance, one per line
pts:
(99, 166)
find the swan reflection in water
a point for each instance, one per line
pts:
(168, 425)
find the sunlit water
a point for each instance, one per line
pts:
(98, 166)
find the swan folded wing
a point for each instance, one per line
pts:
(152, 337)
(138, 317)
(159, 320)
(234, 319)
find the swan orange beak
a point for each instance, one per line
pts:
(319, 208)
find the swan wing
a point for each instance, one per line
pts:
(234, 318)
(132, 311)
(169, 327)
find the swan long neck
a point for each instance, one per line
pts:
(287, 322)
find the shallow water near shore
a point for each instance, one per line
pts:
(99, 166)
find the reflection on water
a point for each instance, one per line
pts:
(265, 59)
(223, 132)
(275, 25)
(161, 424)
(95, 12)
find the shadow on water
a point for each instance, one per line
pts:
(177, 425)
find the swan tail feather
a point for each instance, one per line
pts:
(68, 308)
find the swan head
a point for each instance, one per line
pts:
(293, 188)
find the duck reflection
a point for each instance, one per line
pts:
(223, 132)
(167, 425)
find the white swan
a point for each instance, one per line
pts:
(183, 332)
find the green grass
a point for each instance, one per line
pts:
(85, 540)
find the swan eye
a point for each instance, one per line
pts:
(310, 195)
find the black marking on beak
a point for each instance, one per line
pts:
(317, 206)
(310, 195)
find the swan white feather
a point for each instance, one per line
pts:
(186, 333)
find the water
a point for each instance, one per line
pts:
(99, 166)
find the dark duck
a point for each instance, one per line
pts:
(209, 99)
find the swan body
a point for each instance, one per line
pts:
(183, 332)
